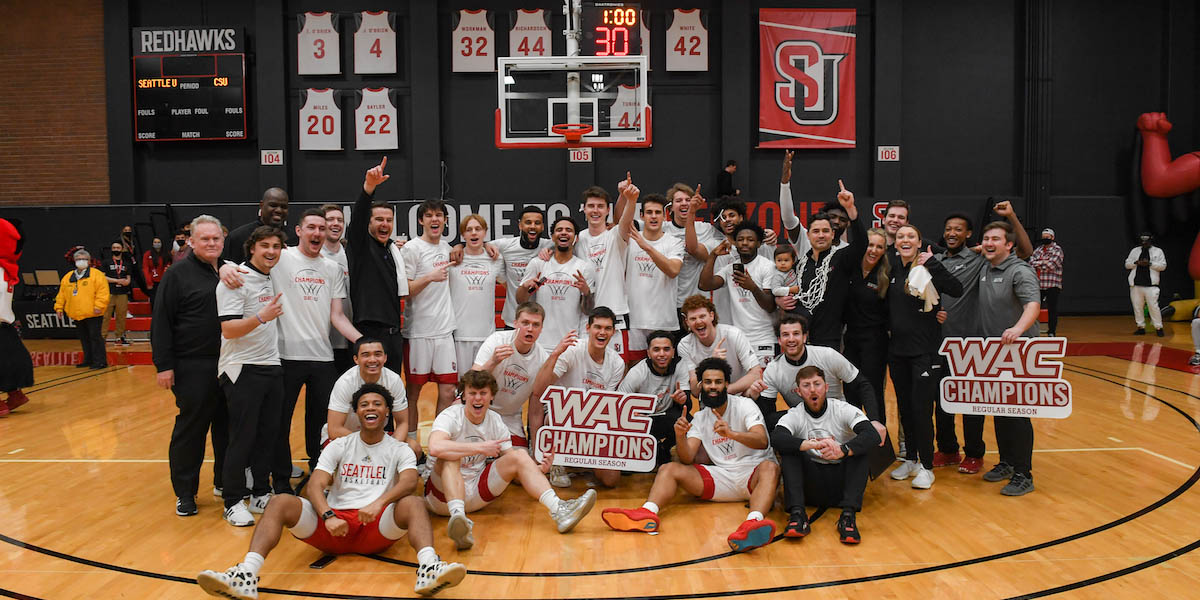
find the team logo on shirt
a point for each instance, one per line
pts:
(989, 377)
(725, 445)
(514, 376)
(597, 252)
(597, 428)
(265, 295)
(645, 265)
(559, 284)
(474, 458)
(310, 282)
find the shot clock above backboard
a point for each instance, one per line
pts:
(611, 28)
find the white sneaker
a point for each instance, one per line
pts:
(906, 469)
(238, 516)
(233, 583)
(923, 480)
(459, 529)
(559, 477)
(571, 512)
(258, 504)
(434, 577)
(297, 473)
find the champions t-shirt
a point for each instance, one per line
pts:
(738, 351)
(261, 345)
(575, 368)
(689, 274)
(745, 312)
(516, 259)
(836, 422)
(473, 287)
(641, 379)
(741, 414)
(309, 286)
(780, 374)
(559, 296)
(429, 313)
(607, 253)
(363, 472)
(655, 306)
(454, 422)
(514, 375)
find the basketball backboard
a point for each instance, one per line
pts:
(607, 94)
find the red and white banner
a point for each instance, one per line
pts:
(597, 429)
(806, 78)
(989, 377)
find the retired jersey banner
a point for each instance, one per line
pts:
(806, 78)
(597, 429)
(989, 377)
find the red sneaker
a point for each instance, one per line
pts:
(16, 399)
(4, 410)
(626, 519)
(970, 465)
(752, 534)
(945, 459)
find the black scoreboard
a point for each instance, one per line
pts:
(188, 84)
(611, 29)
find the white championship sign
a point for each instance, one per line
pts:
(989, 377)
(597, 429)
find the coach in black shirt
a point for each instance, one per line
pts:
(186, 338)
(375, 287)
(272, 210)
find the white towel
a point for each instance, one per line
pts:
(401, 276)
(920, 285)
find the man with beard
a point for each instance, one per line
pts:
(708, 338)
(606, 248)
(335, 226)
(731, 430)
(513, 357)
(746, 286)
(377, 277)
(665, 376)
(369, 358)
(824, 444)
(272, 210)
(517, 252)
(1144, 263)
(562, 285)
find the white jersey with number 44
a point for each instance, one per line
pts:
(530, 36)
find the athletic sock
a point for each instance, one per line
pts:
(754, 516)
(550, 500)
(650, 506)
(427, 556)
(253, 562)
(457, 507)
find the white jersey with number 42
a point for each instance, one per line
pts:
(318, 50)
(687, 42)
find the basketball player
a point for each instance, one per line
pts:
(517, 252)
(513, 358)
(369, 477)
(665, 376)
(473, 288)
(335, 226)
(474, 461)
(377, 277)
(710, 338)
(654, 262)
(369, 360)
(607, 249)
(827, 442)
(731, 430)
(698, 238)
(252, 379)
(731, 212)
(562, 285)
(272, 210)
(745, 283)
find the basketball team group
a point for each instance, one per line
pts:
(716, 321)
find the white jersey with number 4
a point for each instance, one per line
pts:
(320, 121)
(318, 49)
(687, 42)
(473, 43)
(530, 36)
(375, 121)
(374, 44)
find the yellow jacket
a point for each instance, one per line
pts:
(85, 298)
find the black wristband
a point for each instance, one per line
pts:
(329, 514)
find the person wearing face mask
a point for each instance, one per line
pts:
(1144, 263)
(180, 248)
(1047, 260)
(154, 263)
(83, 296)
(119, 273)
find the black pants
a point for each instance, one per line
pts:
(916, 379)
(255, 401)
(947, 438)
(662, 427)
(1050, 303)
(868, 350)
(393, 343)
(201, 406)
(1014, 440)
(808, 482)
(317, 379)
(92, 341)
(343, 359)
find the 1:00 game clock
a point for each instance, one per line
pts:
(611, 29)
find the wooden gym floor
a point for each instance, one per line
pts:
(86, 508)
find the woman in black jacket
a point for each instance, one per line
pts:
(913, 358)
(866, 315)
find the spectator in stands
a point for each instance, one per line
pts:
(16, 366)
(154, 264)
(272, 210)
(180, 248)
(725, 180)
(83, 296)
(119, 273)
(1047, 260)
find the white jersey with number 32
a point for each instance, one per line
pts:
(374, 44)
(687, 42)
(375, 121)
(530, 36)
(320, 121)
(318, 50)
(473, 43)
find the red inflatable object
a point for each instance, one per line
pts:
(1163, 177)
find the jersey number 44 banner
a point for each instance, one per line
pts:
(806, 78)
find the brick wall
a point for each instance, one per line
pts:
(53, 137)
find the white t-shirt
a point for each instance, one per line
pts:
(738, 351)
(336, 339)
(655, 292)
(363, 472)
(689, 275)
(607, 253)
(454, 422)
(309, 286)
(516, 258)
(575, 368)
(341, 399)
(473, 288)
(741, 414)
(837, 422)
(746, 314)
(261, 345)
(514, 375)
(559, 296)
(641, 379)
(430, 313)
(780, 374)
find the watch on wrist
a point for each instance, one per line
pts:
(845, 450)
(327, 515)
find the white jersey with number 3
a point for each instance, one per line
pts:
(473, 43)
(375, 121)
(320, 121)
(687, 42)
(318, 49)
(374, 44)
(530, 36)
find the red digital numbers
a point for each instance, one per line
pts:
(612, 41)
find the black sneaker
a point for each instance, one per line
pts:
(1139, 331)
(1159, 332)
(1000, 472)
(83, 366)
(1019, 485)
(185, 507)
(797, 526)
(123, 341)
(848, 529)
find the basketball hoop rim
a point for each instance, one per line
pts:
(573, 132)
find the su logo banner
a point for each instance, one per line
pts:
(806, 78)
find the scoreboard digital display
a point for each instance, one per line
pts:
(186, 86)
(611, 29)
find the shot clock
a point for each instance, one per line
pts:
(611, 29)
